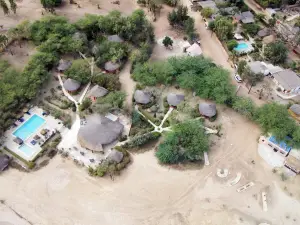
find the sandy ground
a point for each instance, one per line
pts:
(148, 193)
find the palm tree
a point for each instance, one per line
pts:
(4, 7)
(13, 6)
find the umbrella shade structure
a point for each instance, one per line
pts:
(207, 109)
(18, 140)
(115, 156)
(98, 131)
(71, 85)
(174, 99)
(142, 97)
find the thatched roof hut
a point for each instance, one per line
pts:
(111, 66)
(4, 161)
(115, 38)
(98, 131)
(263, 32)
(174, 99)
(295, 109)
(207, 109)
(142, 97)
(71, 85)
(115, 156)
(63, 65)
(97, 91)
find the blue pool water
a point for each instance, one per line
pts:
(241, 47)
(29, 127)
(27, 150)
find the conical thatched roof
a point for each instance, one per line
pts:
(295, 109)
(4, 161)
(98, 131)
(97, 91)
(174, 99)
(115, 38)
(115, 156)
(111, 66)
(71, 85)
(64, 65)
(207, 109)
(142, 97)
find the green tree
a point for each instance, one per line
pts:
(271, 22)
(13, 6)
(50, 4)
(260, 16)
(207, 12)
(3, 40)
(80, 71)
(223, 28)
(186, 142)
(4, 7)
(244, 106)
(189, 28)
(178, 16)
(167, 42)
(276, 52)
(274, 118)
(251, 78)
(241, 67)
(252, 28)
(112, 101)
(86, 103)
(231, 44)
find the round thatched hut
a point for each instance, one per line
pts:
(207, 109)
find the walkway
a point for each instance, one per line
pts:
(127, 84)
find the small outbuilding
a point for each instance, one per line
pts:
(4, 162)
(112, 67)
(174, 99)
(207, 109)
(97, 92)
(245, 17)
(263, 32)
(115, 38)
(142, 97)
(18, 140)
(63, 65)
(194, 50)
(294, 110)
(98, 132)
(71, 85)
(115, 156)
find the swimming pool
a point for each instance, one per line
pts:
(243, 47)
(27, 150)
(29, 127)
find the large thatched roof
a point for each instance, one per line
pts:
(111, 66)
(142, 97)
(174, 99)
(71, 85)
(115, 38)
(97, 91)
(115, 156)
(295, 109)
(207, 109)
(98, 131)
(4, 161)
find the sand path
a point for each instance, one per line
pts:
(127, 84)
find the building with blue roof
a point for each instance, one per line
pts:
(279, 146)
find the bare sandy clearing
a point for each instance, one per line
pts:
(147, 193)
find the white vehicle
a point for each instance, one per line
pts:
(238, 78)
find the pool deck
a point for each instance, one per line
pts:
(50, 123)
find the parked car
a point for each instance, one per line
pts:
(238, 78)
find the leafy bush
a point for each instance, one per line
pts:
(186, 142)
(113, 100)
(245, 106)
(86, 103)
(141, 140)
(51, 3)
(231, 44)
(207, 12)
(108, 81)
(251, 28)
(79, 70)
(172, 3)
(276, 52)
